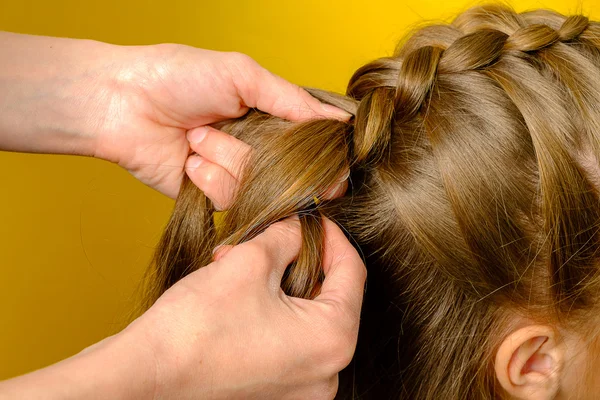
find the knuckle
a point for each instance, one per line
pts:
(247, 72)
(340, 355)
(287, 232)
(289, 225)
(285, 228)
(340, 344)
(363, 271)
(240, 59)
(249, 259)
(256, 253)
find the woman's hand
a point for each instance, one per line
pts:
(131, 104)
(170, 89)
(228, 330)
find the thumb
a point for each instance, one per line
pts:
(268, 254)
(272, 94)
(345, 272)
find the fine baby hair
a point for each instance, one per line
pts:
(473, 198)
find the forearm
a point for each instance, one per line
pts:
(51, 93)
(116, 368)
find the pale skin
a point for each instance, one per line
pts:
(227, 330)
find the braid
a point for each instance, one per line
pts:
(418, 107)
(394, 89)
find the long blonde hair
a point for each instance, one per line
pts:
(467, 198)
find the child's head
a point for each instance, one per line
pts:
(474, 198)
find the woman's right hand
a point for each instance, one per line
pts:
(228, 330)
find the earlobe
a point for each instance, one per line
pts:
(529, 363)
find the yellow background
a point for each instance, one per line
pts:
(76, 233)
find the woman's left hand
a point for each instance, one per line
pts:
(132, 104)
(173, 88)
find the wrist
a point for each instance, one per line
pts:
(118, 367)
(189, 366)
(55, 93)
(125, 368)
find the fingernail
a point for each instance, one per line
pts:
(338, 188)
(216, 249)
(344, 177)
(219, 252)
(335, 191)
(329, 109)
(197, 135)
(194, 161)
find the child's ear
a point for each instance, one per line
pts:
(529, 363)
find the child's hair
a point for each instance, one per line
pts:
(471, 197)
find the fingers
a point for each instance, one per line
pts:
(339, 188)
(269, 253)
(216, 183)
(274, 95)
(217, 168)
(219, 148)
(345, 273)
